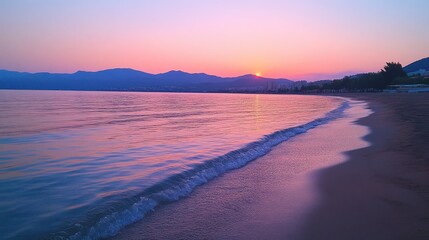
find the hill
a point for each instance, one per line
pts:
(125, 79)
(417, 65)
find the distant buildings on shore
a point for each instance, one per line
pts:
(272, 86)
(409, 88)
(420, 72)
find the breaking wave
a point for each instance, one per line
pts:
(111, 220)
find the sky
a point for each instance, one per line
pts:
(295, 39)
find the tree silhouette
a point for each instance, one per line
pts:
(392, 71)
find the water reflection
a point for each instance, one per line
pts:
(64, 154)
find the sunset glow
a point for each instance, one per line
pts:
(296, 39)
(214, 119)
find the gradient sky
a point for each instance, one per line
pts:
(297, 39)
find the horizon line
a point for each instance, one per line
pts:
(343, 73)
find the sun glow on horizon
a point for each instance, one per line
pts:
(297, 40)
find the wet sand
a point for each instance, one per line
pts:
(267, 199)
(381, 192)
(326, 184)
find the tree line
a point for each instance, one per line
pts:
(391, 74)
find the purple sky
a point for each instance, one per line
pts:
(295, 39)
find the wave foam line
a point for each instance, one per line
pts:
(181, 185)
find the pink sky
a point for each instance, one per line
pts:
(291, 39)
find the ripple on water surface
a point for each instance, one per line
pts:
(73, 161)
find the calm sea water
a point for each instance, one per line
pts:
(84, 164)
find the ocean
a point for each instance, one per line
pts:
(83, 165)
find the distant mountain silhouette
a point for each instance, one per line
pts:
(418, 65)
(124, 79)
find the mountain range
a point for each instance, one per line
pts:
(124, 79)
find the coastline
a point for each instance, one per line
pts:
(382, 191)
(266, 198)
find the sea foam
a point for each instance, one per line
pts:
(181, 185)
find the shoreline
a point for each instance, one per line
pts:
(260, 198)
(382, 191)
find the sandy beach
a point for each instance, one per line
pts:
(269, 198)
(217, 120)
(379, 191)
(382, 191)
